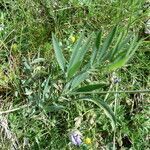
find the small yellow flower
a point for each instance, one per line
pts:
(88, 141)
(14, 47)
(73, 39)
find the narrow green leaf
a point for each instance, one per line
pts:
(107, 42)
(96, 46)
(54, 108)
(37, 60)
(78, 79)
(122, 57)
(109, 113)
(73, 69)
(26, 64)
(119, 46)
(75, 63)
(58, 53)
(133, 47)
(46, 87)
(98, 40)
(89, 88)
(75, 50)
(117, 64)
(137, 44)
(75, 81)
(116, 47)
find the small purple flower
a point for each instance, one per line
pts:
(75, 138)
(115, 79)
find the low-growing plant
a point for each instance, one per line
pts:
(56, 94)
(108, 55)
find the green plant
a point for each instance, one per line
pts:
(42, 100)
(116, 55)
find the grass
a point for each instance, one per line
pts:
(45, 94)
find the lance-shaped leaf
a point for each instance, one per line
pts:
(103, 51)
(78, 79)
(133, 47)
(116, 47)
(75, 50)
(58, 53)
(118, 64)
(121, 42)
(96, 47)
(123, 57)
(92, 87)
(77, 56)
(109, 113)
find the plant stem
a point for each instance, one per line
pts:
(111, 92)
(115, 108)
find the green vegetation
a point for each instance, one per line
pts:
(74, 68)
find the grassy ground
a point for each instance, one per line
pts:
(36, 110)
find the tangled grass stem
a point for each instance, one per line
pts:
(12, 110)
